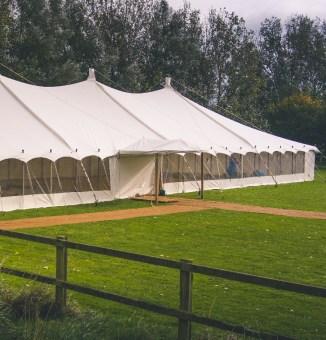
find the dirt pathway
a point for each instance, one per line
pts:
(46, 221)
(179, 206)
(253, 208)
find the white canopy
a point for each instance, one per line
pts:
(89, 118)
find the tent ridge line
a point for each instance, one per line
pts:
(31, 112)
(212, 119)
(129, 112)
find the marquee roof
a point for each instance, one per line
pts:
(89, 118)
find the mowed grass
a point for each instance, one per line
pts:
(286, 248)
(302, 196)
(73, 209)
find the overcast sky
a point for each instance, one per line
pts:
(254, 11)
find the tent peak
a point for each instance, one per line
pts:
(91, 74)
(168, 82)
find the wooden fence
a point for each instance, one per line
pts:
(187, 269)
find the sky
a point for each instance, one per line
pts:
(254, 11)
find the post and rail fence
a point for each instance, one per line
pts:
(184, 314)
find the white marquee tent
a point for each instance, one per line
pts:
(88, 142)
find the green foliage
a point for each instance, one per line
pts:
(174, 44)
(30, 304)
(306, 52)
(294, 65)
(5, 28)
(7, 325)
(233, 77)
(294, 57)
(28, 315)
(285, 115)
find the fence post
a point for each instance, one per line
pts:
(184, 331)
(61, 273)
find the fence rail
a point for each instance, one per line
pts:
(187, 269)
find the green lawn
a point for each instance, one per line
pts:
(287, 248)
(74, 209)
(302, 196)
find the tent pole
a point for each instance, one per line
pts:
(201, 175)
(23, 179)
(292, 163)
(218, 167)
(156, 184)
(51, 178)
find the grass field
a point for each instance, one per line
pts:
(286, 248)
(302, 196)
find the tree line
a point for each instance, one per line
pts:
(274, 79)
